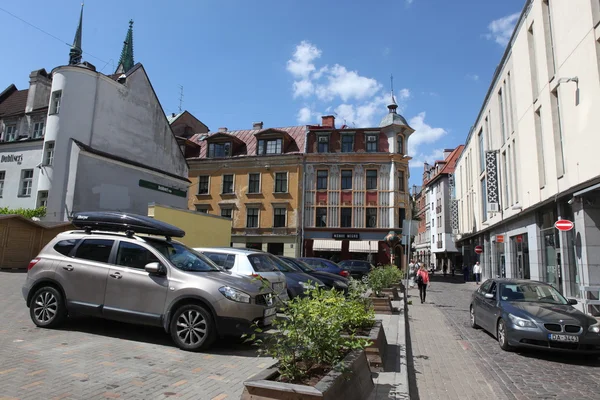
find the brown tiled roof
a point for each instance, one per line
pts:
(14, 103)
(451, 160)
(297, 133)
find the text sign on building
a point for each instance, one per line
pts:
(347, 236)
(491, 167)
(18, 158)
(499, 238)
(162, 188)
(564, 225)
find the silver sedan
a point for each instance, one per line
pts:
(525, 313)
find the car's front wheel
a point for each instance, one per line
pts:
(192, 328)
(502, 336)
(47, 308)
(472, 318)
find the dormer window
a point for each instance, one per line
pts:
(270, 146)
(372, 142)
(400, 145)
(347, 143)
(323, 143)
(218, 150)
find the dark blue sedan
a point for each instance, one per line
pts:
(323, 264)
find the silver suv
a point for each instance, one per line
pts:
(143, 280)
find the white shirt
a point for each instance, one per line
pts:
(477, 269)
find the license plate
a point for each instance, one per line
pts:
(270, 311)
(278, 287)
(563, 338)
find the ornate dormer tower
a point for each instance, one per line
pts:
(76, 52)
(126, 60)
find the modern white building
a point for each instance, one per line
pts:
(81, 140)
(531, 156)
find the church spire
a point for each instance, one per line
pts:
(76, 52)
(393, 105)
(126, 61)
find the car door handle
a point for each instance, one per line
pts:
(68, 267)
(116, 275)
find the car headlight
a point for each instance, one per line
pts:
(521, 322)
(594, 328)
(306, 285)
(234, 294)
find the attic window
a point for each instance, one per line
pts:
(270, 146)
(219, 150)
(400, 145)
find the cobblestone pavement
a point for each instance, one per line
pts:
(452, 360)
(95, 359)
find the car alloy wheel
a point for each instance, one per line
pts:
(47, 308)
(472, 318)
(192, 328)
(502, 336)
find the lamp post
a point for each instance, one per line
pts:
(391, 239)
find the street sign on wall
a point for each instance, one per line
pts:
(499, 238)
(564, 225)
(478, 249)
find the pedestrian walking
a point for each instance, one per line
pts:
(466, 273)
(445, 269)
(477, 272)
(411, 274)
(422, 281)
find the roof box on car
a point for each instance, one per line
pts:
(124, 222)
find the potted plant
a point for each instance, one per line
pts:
(378, 280)
(318, 351)
(393, 281)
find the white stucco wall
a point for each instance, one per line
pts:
(30, 156)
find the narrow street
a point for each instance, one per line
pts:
(450, 360)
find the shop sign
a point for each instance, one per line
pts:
(18, 158)
(499, 238)
(162, 188)
(346, 236)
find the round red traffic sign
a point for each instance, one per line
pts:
(478, 249)
(564, 225)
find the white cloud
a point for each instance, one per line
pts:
(409, 1)
(386, 51)
(473, 77)
(500, 30)
(424, 133)
(419, 159)
(364, 114)
(346, 85)
(304, 115)
(301, 64)
(303, 88)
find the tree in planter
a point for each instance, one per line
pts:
(311, 339)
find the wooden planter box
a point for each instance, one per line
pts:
(355, 384)
(382, 305)
(392, 292)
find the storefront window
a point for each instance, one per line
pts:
(572, 280)
(520, 247)
(500, 267)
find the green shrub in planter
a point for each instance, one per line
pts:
(312, 336)
(384, 277)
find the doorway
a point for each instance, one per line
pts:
(520, 248)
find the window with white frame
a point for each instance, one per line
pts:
(26, 182)
(270, 146)
(56, 100)
(38, 130)
(203, 184)
(2, 177)
(228, 184)
(219, 150)
(48, 153)
(281, 182)
(252, 217)
(42, 198)
(371, 146)
(323, 143)
(279, 214)
(10, 134)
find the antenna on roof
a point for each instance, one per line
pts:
(180, 97)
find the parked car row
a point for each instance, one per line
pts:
(110, 268)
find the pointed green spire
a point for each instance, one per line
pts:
(126, 61)
(76, 52)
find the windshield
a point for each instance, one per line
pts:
(301, 265)
(183, 257)
(532, 292)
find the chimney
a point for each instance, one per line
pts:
(38, 95)
(257, 125)
(172, 115)
(223, 129)
(328, 121)
(447, 153)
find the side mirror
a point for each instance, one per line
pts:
(155, 268)
(489, 295)
(572, 301)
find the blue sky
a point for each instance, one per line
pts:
(285, 62)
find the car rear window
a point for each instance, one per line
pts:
(262, 263)
(64, 247)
